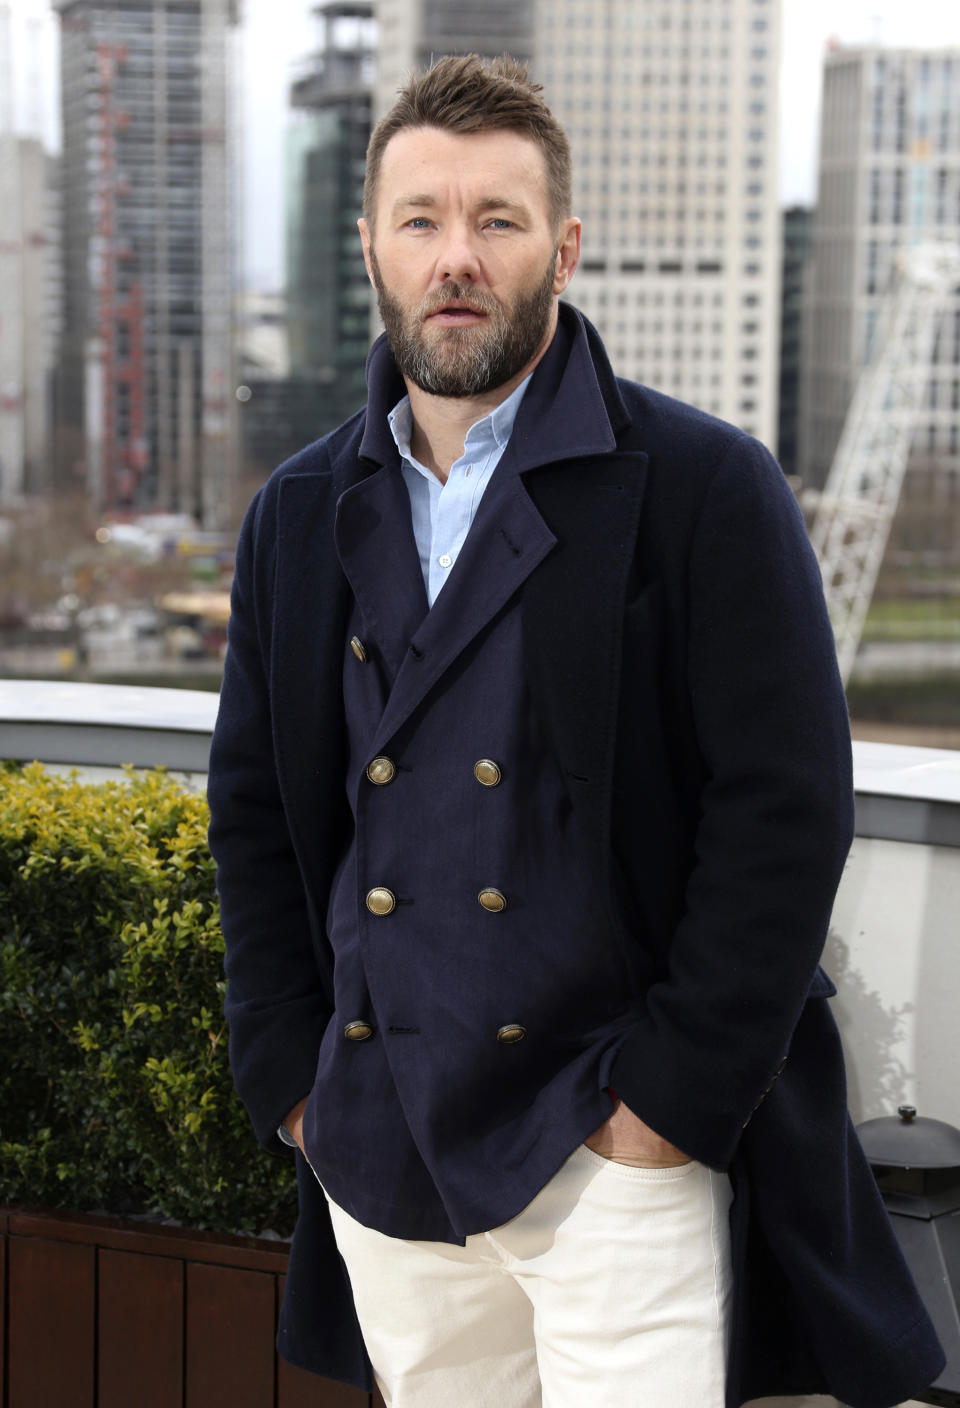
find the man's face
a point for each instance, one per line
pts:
(465, 257)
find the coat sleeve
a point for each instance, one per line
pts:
(775, 823)
(276, 1006)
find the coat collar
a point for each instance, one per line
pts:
(572, 408)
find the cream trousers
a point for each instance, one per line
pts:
(609, 1290)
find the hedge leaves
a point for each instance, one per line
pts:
(115, 1094)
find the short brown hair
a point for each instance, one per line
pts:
(464, 93)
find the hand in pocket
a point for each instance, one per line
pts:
(625, 1139)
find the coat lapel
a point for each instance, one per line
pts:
(589, 494)
(378, 552)
(573, 618)
(507, 541)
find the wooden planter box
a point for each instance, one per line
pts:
(103, 1312)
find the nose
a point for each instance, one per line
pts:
(458, 258)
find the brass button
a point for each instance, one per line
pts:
(381, 900)
(358, 648)
(486, 772)
(492, 900)
(359, 1031)
(511, 1033)
(381, 771)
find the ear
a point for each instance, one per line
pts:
(366, 242)
(568, 253)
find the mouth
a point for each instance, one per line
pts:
(456, 315)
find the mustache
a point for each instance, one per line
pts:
(463, 296)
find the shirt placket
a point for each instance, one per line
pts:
(450, 524)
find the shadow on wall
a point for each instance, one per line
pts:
(877, 1079)
(938, 989)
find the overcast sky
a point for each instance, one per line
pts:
(269, 49)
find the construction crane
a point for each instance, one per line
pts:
(855, 511)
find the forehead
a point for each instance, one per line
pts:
(430, 160)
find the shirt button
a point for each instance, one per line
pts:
(380, 900)
(358, 648)
(492, 900)
(445, 559)
(381, 771)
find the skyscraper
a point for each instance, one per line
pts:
(29, 259)
(328, 296)
(29, 270)
(795, 253)
(147, 373)
(889, 179)
(412, 32)
(671, 109)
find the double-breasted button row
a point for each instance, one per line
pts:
(381, 901)
(382, 770)
(507, 1035)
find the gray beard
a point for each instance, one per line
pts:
(469, 361)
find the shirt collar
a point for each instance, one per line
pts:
(490, 432)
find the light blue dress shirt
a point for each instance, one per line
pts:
(443, 512)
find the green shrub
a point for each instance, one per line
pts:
(115, 1092)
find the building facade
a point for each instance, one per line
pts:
(889, 180)
(29, 313)
(794, 262)
(671, 109)
(328, 295)
(414, 32)
(147, 405)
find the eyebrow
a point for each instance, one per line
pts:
(485, 203)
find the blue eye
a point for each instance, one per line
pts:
(419, 222)
(501, 224)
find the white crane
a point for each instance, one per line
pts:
(855, 511)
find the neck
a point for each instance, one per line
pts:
(440, 423)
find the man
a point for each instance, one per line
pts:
(530, 793)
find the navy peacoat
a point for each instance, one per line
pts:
(682, 667)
